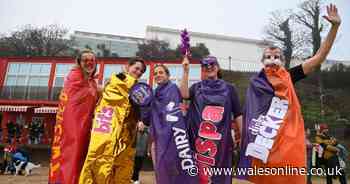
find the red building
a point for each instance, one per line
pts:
(29, 89)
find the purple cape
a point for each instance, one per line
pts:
(211, 107)
(258, 99)
(174, 155)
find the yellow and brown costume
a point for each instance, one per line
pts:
(111, 151)
(329, 145)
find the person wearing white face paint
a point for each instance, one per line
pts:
(273, 127)
(273, 55)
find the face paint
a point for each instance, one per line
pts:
(272, 57)
(88, 62)
(90, 65)
(269, 62)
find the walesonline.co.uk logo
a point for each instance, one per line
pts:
(254, 171)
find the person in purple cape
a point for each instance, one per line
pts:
(273, 127)
(213, 103)
(173, 158)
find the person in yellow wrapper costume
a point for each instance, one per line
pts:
(111, 151)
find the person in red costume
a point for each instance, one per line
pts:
(77, 102)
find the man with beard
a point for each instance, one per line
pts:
(273, 128)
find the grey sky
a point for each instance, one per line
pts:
(245, 18)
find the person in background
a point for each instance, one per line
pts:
(34, 132)
(1, 134)
(18, 130)
(343, 155)
(309, 147)
(8, 166)
(141, 151)
(11, 131)
(330, 154)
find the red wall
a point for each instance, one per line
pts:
(50, 118)
(3, 70)
(54, 61)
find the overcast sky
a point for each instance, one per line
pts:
(245, 18)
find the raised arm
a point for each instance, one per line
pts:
(333, 17)
(185, 92)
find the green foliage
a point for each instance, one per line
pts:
(339, 72)
(155, 49)
(197, 52)
(104, 50)
(88, 47)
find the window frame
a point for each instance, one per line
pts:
(27, 76)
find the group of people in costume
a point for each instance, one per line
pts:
(95, 129)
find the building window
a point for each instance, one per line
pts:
(62, 70)
(109, 69)
(27, 81)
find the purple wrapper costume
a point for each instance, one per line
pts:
(214, 104)
(174, 157)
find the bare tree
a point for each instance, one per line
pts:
(284, 32)
(300, 32)
(44, 41)
(309, 17)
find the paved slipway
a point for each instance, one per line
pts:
(39, 176)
